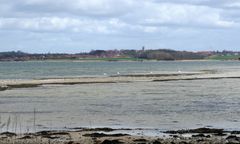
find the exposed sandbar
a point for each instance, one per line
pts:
(147, 77)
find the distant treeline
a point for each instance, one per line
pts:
(164, 54)
(159, 54)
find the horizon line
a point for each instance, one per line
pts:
(81, 52)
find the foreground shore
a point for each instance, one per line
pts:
(120, 136)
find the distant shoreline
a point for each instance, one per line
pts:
(123, 55)
(87, 60)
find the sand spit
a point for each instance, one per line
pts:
(111, 136)
(148, 77)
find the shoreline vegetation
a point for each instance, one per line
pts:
(141, 77)
(123, 55)
(122, 136)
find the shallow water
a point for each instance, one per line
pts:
(158, 105)
(161, 105)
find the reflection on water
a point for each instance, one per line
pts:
(162, 105)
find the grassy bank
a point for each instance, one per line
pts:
(224, 57)
(111, 59)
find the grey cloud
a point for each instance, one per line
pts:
(90, 8)
(126, 20)
(143, 15)
(182, 15)
(208, 3)
(61, 24)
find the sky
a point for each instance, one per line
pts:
(72, 26)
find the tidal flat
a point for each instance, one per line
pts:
(64, 102)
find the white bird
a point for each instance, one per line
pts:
(104, 74)
(118, 73)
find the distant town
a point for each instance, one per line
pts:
(124, 55)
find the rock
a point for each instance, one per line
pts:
(112, 142)
(43, 133)
(8, 134)
(104, 135)
(52, 134)
(235, 132)
(199, 130)
(103, 129)
(175, 136)
(26, 137)
(140, 140)
(156, 142)
(3, 88)
(183, 142)
(201, 135)
(233, 138)
(49, 133)
(220, 134)
(71, 142)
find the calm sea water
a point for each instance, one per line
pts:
(161, 105)
(30, 70)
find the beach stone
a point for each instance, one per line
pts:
(233, 138)
(201, 135)
(140, 140)
(72, 142)
(112, 142)
(220, 134)
(26, 137)
(104, 135)
(3, 88)
(8, 134)
(235, 132)
(156, 142)
(198, 130)
(183, 142)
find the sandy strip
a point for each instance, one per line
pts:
(10, 84)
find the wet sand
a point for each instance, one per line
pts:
(111, 136)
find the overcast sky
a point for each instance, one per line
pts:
(82, 25)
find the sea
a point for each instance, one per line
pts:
(166, 105)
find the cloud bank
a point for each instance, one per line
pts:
(109, 24)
